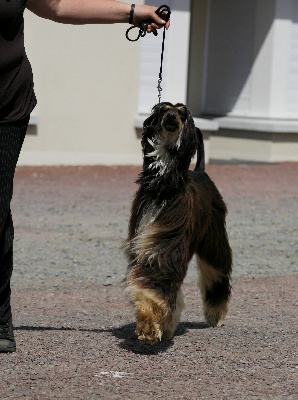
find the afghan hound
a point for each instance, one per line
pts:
(175, 214)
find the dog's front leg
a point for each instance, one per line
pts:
(150, 310)
(149, 316)
(156, 320)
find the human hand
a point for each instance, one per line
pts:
(144, 12)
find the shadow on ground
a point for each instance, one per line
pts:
(130, 342)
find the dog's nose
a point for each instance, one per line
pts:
(171, 115)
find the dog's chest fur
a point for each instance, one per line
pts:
(160, 159)
(148, 215)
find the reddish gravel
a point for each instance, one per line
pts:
(75, 328)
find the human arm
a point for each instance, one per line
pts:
(93, 12)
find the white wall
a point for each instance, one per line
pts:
(86, 81)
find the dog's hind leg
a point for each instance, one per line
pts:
(215, 291)
(214, 261)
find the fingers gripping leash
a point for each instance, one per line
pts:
(164, 13)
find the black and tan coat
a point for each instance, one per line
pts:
(176, 214)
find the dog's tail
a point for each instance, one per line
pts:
(200, 164)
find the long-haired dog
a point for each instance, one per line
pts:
(175, 214)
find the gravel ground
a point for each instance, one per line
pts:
(75, 328)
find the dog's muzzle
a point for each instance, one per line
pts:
(171, 121)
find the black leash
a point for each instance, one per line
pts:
(164, 13)
(159, 88)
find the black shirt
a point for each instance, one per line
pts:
(17, 98)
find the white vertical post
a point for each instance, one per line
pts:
(271, 66)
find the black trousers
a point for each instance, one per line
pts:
(11, 140)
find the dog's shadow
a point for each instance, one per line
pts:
(130, 342)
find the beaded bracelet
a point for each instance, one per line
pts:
(132, 10)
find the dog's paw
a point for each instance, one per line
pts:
(148, 332)
(213, 323)
(215, 316)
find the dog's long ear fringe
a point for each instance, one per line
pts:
(153, 119)
(200, 164)
(150, 126)
(150, 121)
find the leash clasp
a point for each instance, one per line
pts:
(159, 88)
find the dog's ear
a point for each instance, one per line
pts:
(200, 164)
(153, 119)
(199, 136)
(149, 122)
(150, 127)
